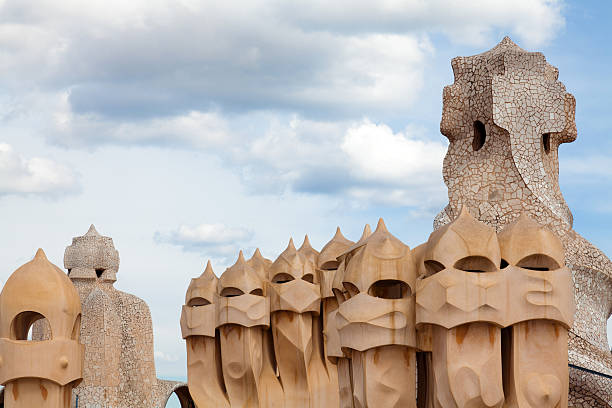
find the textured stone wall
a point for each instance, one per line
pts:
(589, 390)
(116, 330)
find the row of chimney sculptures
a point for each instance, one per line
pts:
(482, 317)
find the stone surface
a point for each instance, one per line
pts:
(116, 329)
(42, 373)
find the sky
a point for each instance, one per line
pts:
(187, 130)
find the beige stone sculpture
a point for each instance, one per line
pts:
(540, 312)
(243, 317)
(488, 316)
(198, 324)
(116, 329)
(322, 374)
(295, 301)
(43, 373)
(376, 322)
(463, 297)
(328, 264)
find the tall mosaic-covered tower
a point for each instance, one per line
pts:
(505, 116)
(116, 329)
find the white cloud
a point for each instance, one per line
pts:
(376, 153)
(191, 129)
(534, 22)
(218, 241)
(160, 58)
(36, 175)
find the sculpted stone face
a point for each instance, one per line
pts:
(294, 283)
(376, 321)
(379, 278)
(541, 311)
(463, 298)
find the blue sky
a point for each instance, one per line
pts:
(188, 130)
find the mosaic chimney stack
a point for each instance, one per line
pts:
(42, 373)
(116, 329)
(503, 306)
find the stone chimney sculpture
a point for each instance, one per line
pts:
(243, 317)
(541, 310)
(328, 265)
(116, 329)
(376, 322)
(42, 373)
(463, 297)
(198, 327)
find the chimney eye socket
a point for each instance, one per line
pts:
(477, 264)
(308, 277)
(22, 326)
(389, 289)
(99, 272)
(546, 142)
(231, 292)
(282, 278)
(538, 262)
(257, 292)
(351, 289)
(433, 267)
(198, 301)
(480, 135)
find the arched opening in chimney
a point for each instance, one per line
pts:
(546, 142)
(480, 135)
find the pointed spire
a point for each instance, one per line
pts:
(333, 249)
(240, 259)
(306, 243)
(381, 227)
(339, 238)
(338, 233)
(92, 232)
(257, 254)
(367, 231)
(208, 271)
(40, 254)
(291, 246)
